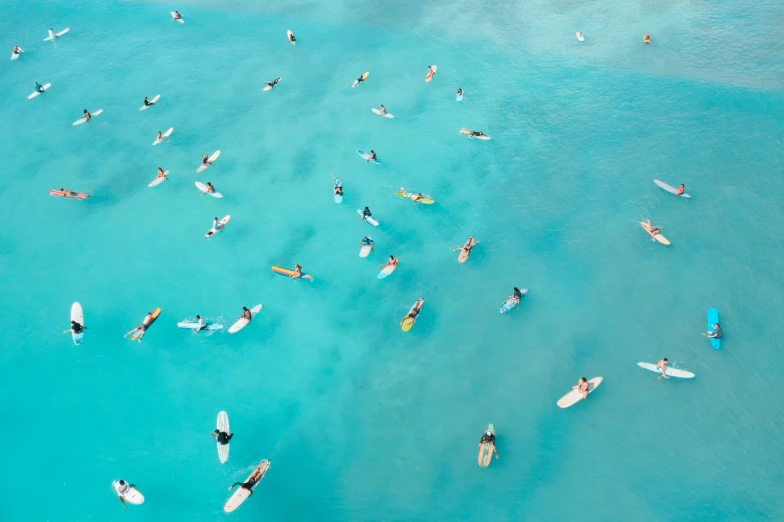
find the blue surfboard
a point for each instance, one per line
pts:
(366, 156)
(713, 318)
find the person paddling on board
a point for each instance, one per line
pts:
(474, 134)
(338, 186)
(69, 193)
(467, 247)
(123, 489)
(414, 312)
(161, 173)
(273, 83)
(680, 190)
(177, 16)
(366, 241)
(292, 38)
(246, 314)
(582, 387)
(252, 481)
(142, 328)
(38, 87)
(75, 327)
(653, 231)
(430, 73)
(161, 137)
(488, 437)
(222, 437)
(210, 189)
(716, 333)
(297, 272)
(412, 197)
(662, 365)
(361, 79)
(87, 115)
(365, 214)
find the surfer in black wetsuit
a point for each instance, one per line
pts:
(516, 295)
(366, 214)
(222, 437)
(147, 102)
(38, 87)
(476, 133)
(273, 83)
(252, 480)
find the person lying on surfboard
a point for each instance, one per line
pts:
(252, 481)
(70, 193)
(412, 197)
(653, 231)
(414, 312)
(38, 87)
(662, 365)
(366, 214)
(297, 272)
(716, 333)
(681, 190)
(582, 387)
(430, 73)
(75, 328)
(142, 328)
(246, 314)
(338, 187)
(177, 15)
(222, 437)
(273, 83)
(123, 489)
(361, 79)
(469, 244)
(16, 50)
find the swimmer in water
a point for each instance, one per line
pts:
(460, 93)
(653, 231)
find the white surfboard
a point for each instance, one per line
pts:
(83, 119)
(580, 36)
(165, 135)
(658, 237)
(177, 19)
(157, 181)
(78, 316)
(211, 159)
(155, 99)
(290, 36)
(57, 35)
(671, 372)
(132, 496)
(671, 190)
(370, 219)
(15, 56)
(201, 186)
(364, 250)
(385, 272)
(223, 425)
(573, 397)
(241, 494)
(242, 322)
(36, 93)
(378, 111)
(221, 225)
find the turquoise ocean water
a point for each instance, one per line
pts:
(362, 421)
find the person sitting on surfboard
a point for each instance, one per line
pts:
(382, 111)
(210, 189)
(87, 115)
(414, 312)
(681, 190)
(392, 261)
(202, 324)
(147, 102)
(582, 387)
(517, 295)
(177, 15)
(662, 365)
(366, 214)
(338, 187)
(246, 314)
(716, 333)
(297, 272)
(473, 134)
(38, 87)
(51, 33)
(222, 437)
(366, 241)
(205, 161)
(123, 489)
(142, 328)
(372, 155)
(430, 73)
(460, 93)
(161, 137)
(273, 83)
(292, 38)
(161, 173)
(16, 50)
(75, 327)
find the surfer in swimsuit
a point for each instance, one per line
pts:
(365, 214)
(210, 189)
(205, 161)
(681, 190)
(38, 87)
(469, 244)
(653, 231)
(372, 155)
(716, 333)
(273, 83)
(360, 79)
(161, 137)
(516, 295)
(87, 115)
(222, 437)
(292, 39)
(297, 272)
(414, 312)
(412, 197)
(16, 50)
(123, 489)
(488, 437)
(75, 327)
(161, 173)
(460, 93)
(246, 314)
(392, 261)
(177, 15)
(430, 73)
(382, 111)
(142, 328)
(662, 365)
(582, 387)
(646, 38)
(338, 187)
(366, 241)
